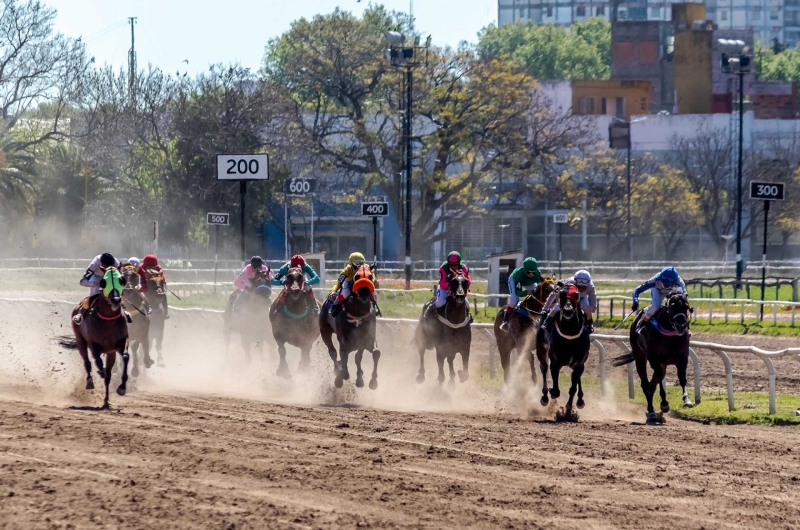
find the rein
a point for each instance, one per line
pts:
(358, 320)
(568, 337)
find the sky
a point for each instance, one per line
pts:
(188, 36)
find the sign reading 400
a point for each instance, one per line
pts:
(374, 209)
(242, 167)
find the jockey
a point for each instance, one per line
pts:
(660, 285)
(447, 271)
(582, 280)
(521, 282)
(91, 278)
(345, 281)
(150, 265)
(299, 262)
(133, 260)
(257, 266)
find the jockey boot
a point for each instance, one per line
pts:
(82, 308)
(336, 306)
(506, 313)
(589, 325)
(128, 318)
(548, 322)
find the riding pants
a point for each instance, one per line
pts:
(441, 299)
(656, 299)
(513, 299)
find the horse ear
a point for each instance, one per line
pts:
(103, 283)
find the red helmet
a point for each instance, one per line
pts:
(297, 261)
(150, 260)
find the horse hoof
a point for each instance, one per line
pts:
(304, 367)
(652, 418)
(420, 379)
(463, 376)
(373, 384)
(121, 390)
(101, 373)
(135, 371)
(160, 363)
(89, 385)
(105, 406)
(345, 375)
(148, 362)
(544, 401)
(359, 382)
(688, 403)
(338, 381)
(665, 408)
(555, 394)
(283, 371)
(581, 403)
(451, 385)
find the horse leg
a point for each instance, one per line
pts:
(145, 346)
(555, 368)
(681, 366)
(87, 364)
(654, 382)
(98, 360)
(663, 390)
(644, 380)
(359, 371)
(111, 357)
(505, 357)
(577, 372)
(159, 347)
(532, 363)
(344, 355)
(440, 355)
(305, 359)
(327, 335)
(133, 348)
(376, 356)
(541, 355)
(123, 350)
(421, 373)
(451, 384)
(283, 366)
(580, 403)
(463, 374)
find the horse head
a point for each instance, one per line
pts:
(295, 282)
(363, 289)
(569, 301)
(678, 310)
(156, 281)
(112, 285)
(131, 276)
(458, 288)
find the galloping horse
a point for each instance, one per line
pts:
(566, 345)
(667, 343)
(103, 330)
(139, 328)
(449, 333)
(155, 294)
(296, 323)
(522, 327)
(247, 314)
(355, 330)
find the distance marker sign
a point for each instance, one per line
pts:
(560, 218)
(374, 209)
(218, 219)
(299, 186)
(242, 167)
(766, 191)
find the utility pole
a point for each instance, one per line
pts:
(132, 63)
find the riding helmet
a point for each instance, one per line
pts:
(356, 258)
(107, 260)
(454, 258)
(530, 265)
(133, 260)
(256, 262)
(150, 260)
(669, 276)
(263, 290)
(583, 278)
(297, 261)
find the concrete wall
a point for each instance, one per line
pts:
(639, 52)
(692, 63)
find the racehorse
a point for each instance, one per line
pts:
(523, 325)
(139, 327)
(448, 331)
(355, 330)
(667, 343)
(295, 323)
(566, 345)
(103, 330)
(155, 295)
(247, 314)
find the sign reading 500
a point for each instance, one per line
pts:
(243, 167)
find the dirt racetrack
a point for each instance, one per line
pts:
(209, 443)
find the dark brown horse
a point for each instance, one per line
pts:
(247, 314)
(666, 343)
(448, 330)
(139, 327)
(567, 344)
(156, 295)
(355, 328)
(294, 320)
(103, 330)
(522, 327)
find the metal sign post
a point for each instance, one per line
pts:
(767, 192)
(375, 210)
(242, 168)
(216, 220)
(560, 219)
(298, 187)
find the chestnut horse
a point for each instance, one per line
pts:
(294, 321)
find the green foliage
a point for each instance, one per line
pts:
(781, 66)
(547, 51)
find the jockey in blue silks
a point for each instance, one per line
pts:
(660, 285)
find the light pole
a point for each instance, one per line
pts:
(736, 59)
(622, 141)
(402, 56)
(502, 235)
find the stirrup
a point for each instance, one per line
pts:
(78, 319)
(503, 326)
(128, 317)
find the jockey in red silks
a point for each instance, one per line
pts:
(245, 278)
(150, 265)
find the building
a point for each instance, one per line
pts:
(768, 19)
(621, 99)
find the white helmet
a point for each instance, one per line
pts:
(133, 260)
(583, 278)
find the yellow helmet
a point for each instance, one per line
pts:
(357, 258)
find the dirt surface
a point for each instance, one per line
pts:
(210, 441)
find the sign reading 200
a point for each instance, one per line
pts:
(242, 167)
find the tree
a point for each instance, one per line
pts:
(547, 51)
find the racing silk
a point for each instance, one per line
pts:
(345, 276)
(93, 275)
(656, 283)
(523, 284)
(244, 280)
(143, 276)
(445, 275)
(308, 270)
(587, 299)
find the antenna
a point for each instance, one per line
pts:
(411, 13)
(132, 63)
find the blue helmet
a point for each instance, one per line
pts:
(264, 290)
(669, 276)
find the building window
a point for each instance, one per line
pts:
(600, 12)
(655, 12)
(723, 15)
(603, 110)
(581, 11)
(774, 15)
(621, 108)
(549, 11)
(622, 14)
(586, 105)
(644, 104)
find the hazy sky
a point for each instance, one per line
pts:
(202, 32)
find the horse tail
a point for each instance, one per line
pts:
(68, 342)
(624, 359)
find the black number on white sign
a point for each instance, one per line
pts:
(242, 167)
